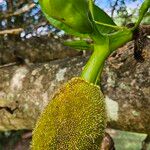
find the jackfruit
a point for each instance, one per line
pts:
(73, 13)
(74, 119)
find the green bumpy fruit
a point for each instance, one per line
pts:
(74, 119)
(73, 13)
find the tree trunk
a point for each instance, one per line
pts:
(25, 90)
(35, 49)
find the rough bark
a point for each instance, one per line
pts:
(25, 90)
(35, 49)
(45, 48)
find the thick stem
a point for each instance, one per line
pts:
(94, 66)
(120, 38)
(103, 47)
(98, 80)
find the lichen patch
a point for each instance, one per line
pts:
(17, 79)
(38, 83)
(2, 94)
(111, 78)
(60, 74)
(112, 109)
(135, 113)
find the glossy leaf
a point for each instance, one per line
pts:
(73, 13)
(142, 11)
(64, 27)
(106, 25)
(101, 17)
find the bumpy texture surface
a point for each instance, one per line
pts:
(74, 119)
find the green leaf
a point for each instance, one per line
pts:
(79, 45)
(144, 8)
(142, 11)
(64, 27)
(103, 21)
(73, 13)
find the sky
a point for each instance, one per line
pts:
(105, 4)
(130, 3)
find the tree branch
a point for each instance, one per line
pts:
(20, 11)
(113, 8)
(11, 31)
(34, 49)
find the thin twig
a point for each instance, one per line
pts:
(24, 9)
(11, 31)
(114, 8)
(8, 65)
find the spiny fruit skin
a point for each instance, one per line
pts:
(73, 13)
(74, 119)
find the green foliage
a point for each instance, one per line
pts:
(72, 13)
(76, 20)
(84, 19)
(74, 119)
(64, 27)
(143, 9)
(103, 20)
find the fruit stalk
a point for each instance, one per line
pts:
(94, 66)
